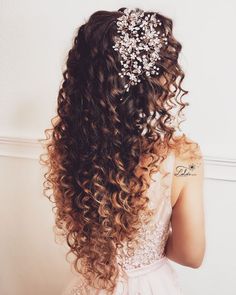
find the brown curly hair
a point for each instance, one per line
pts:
(98, 141)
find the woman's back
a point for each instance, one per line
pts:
(145, 269)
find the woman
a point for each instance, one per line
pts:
(128, 191)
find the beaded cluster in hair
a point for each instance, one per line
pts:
(139, 51)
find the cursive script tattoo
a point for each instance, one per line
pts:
(182, 170)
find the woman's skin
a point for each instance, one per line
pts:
(186, 242)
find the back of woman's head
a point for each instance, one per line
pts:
(99, 137)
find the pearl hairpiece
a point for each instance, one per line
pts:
(131, 46)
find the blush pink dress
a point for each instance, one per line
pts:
(146, 270)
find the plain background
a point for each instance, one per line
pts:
(35, 37)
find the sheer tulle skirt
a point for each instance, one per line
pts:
(158, 278)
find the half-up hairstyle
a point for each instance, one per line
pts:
(98, 141)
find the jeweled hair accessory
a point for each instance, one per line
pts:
(139, 51)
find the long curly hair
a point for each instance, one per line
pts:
(98, 141)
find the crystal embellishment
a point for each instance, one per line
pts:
(138, 43)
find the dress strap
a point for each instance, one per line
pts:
(170, 161)
(160, 190)
(167, 177)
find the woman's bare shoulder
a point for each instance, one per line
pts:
(186, 149)
(187, 243)
(188, 163)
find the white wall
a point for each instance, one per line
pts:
(31, 262)
(34, 39)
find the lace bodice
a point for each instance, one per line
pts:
(152, 236)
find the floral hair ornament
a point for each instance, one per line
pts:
(139, 51)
